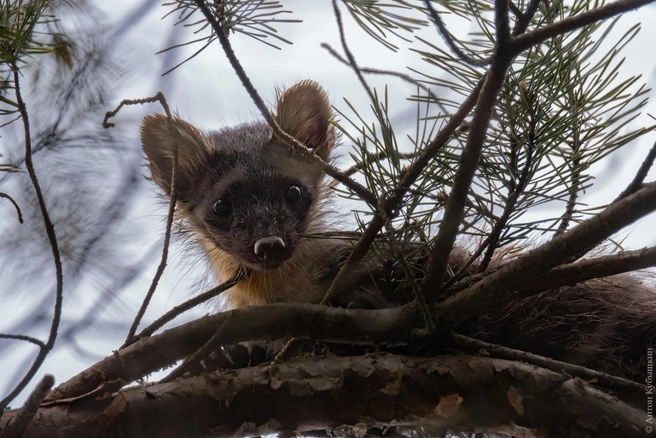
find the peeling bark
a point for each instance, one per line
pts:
(460, 393)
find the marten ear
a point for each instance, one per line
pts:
(194, 149)
(304, 112)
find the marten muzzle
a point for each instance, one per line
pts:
(271, 250)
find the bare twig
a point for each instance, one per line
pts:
(287, 139)
(25, 338)
(25, 414)
(351, 59)
(18, 210)
(375, 71)
(212, 344)
(640, 175)
(523, 19)
(448, 39)
(604, 379)
(52, 238)
(189, 304)
(159, 97)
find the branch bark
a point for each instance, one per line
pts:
(319, 393)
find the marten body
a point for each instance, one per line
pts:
(251, 203)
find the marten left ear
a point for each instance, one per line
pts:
(304, 112)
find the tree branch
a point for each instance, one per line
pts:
(455, 205)
(159, 97)
(24, 415)
(52, 238)
(640, 175)
(447, 392)
(510, 281)
(270, 322)
(605, 380)
(527, 40)
(18, 210)
(448, 39)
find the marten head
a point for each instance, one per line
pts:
(241, 189)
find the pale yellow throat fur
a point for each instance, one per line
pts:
(298, 280)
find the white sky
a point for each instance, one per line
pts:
(206, 92)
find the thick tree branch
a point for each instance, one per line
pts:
(270, 322)
(447, 392)
(502, 285)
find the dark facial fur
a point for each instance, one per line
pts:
(249, 205)
(243, 191)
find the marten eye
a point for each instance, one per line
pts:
(293, 194)
(222, 209)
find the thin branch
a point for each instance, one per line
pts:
(455, 206)
(351, 59)
(52, 238)
(213, 344)
(529, 39)
(26, 338)
(516, 188)
(605, 380)
(345, 275)
(448, 39)
(510, 282)
(159, 97)
(187, 305)
(640, 175)
(375, 71)
(523, 20)
(287, 139)
(25, 414)
(18, 210)
(573, 196)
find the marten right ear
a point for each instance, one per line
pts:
(194, 149)
(304, 112)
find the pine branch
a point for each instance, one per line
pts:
(455, 206)
(527, 40)
(345, 275)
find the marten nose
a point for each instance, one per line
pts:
(270, 248)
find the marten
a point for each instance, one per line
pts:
(251, 203)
